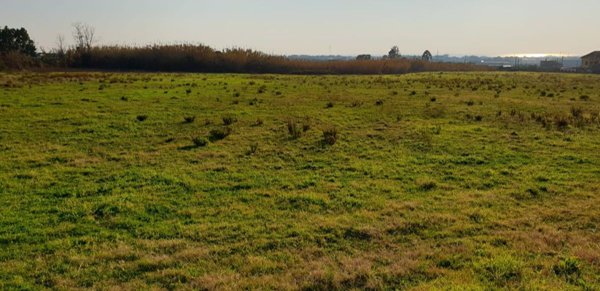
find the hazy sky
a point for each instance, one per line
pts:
(348, 27)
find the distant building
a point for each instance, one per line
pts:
(363, 57)
(591, 60)
(547, 65)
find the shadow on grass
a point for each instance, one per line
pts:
(188, 148)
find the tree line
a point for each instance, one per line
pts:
(17, 51)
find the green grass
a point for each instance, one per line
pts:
(469, 180)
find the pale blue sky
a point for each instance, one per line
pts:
(483, 27)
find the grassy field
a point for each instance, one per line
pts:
(426, 181)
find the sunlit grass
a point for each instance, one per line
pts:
(210, 181)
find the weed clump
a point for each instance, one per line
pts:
(355, 104)
(262, 89)
(252, 150)
(561, 122)
(294, 129)
(435, 111)
(425, 185)
(305, 127)
(189, 119)
(569, 269)
(421, 140)
(576, 112)
(219, 134)
(229, 120)
(503, 271)
(330, 135)
(200, 141)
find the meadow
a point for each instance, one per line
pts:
(235, 181)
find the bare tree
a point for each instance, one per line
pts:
(60, 45)
(84, 35)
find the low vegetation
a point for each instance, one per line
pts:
(214, 181)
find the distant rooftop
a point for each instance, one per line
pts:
(592, 54)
